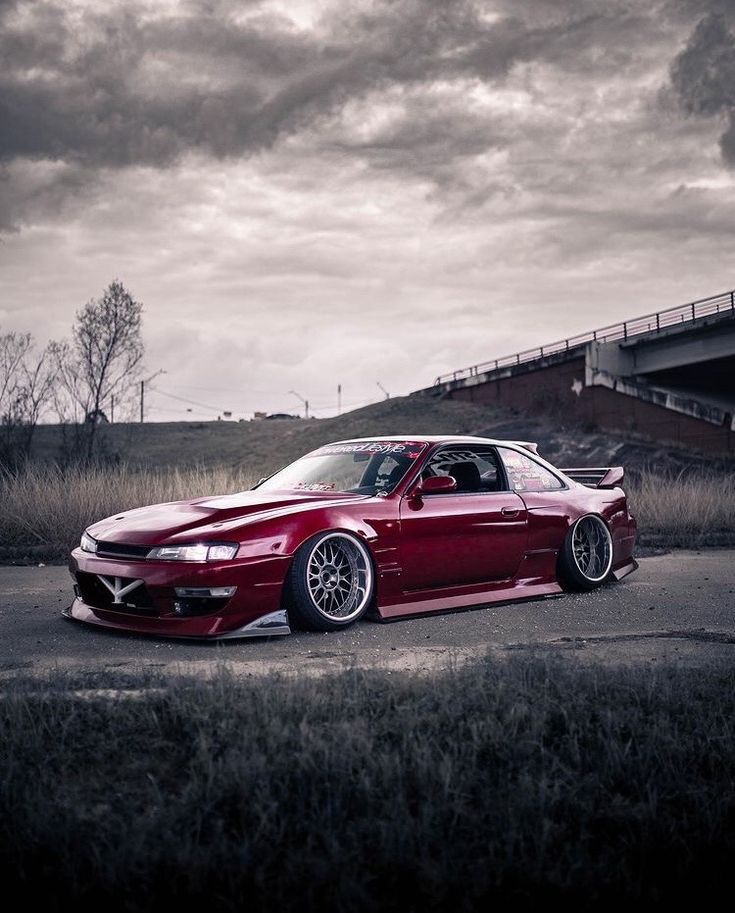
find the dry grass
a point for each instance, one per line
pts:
(504, 785)
(49, 507)
(684, 510)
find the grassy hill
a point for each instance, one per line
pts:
(680, 498)
(262, 446)
(44, 508)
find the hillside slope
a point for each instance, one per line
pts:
(262, 446)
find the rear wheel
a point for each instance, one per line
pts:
(331, 582)
(587, 554)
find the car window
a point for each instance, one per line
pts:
(359, 467)
(525, 474)
(388, 472)
(475, 469)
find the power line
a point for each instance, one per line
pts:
(185, 399)
(175, 411)
(321, 406)
(192, 402)
(282, 393)
(225, 389)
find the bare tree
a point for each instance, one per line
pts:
(13, 349)
(70, 397)
(26, 388)
(39, 375)
(79, 378)
(107, 353)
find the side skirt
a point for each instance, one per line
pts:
(507, 592)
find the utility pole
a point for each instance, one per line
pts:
(387, 395)
(339, 399)
(142, 391)
(304, 401)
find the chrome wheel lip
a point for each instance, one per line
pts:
(340, 579)
(583, 544)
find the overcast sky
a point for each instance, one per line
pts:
(343, 191)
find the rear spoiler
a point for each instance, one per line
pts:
(599, 477)
(528, 445)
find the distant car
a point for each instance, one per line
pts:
(392, 526)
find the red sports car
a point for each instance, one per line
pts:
(392, 526)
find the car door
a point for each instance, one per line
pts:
(545, 495)
(474, 535)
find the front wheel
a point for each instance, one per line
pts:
(331, 582)
(587, 554)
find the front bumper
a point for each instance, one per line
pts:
(151, 608)
(273, 624)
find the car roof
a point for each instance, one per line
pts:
(439, 439)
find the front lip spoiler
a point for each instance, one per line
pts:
(271, 625)
(274, 624)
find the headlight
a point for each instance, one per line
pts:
(222, 551)
(88, 544)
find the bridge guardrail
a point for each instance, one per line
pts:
(638, 326)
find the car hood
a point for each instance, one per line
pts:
(159, 523)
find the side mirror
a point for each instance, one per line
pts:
(435, 485)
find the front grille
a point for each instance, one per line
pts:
(96, 595)
(120, 550)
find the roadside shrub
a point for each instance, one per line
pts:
(45, 505)
(686, 510)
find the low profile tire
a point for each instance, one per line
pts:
(331, 582)
(587, 554)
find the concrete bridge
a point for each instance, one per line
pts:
(668, 375)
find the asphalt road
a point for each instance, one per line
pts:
(677, 607)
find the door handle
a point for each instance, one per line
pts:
(510, 511)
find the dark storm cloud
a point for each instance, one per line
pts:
(114, 90)
(703, 76)
(115, 87)
(313, 191)
(100, 86)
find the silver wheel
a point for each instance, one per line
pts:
(339, 577)
(592, 548)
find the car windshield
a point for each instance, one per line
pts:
(358, 467)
